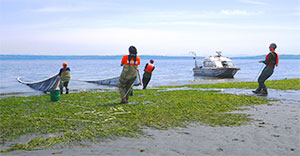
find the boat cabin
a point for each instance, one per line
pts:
(218, 61)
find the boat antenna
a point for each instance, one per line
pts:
(219, 53)
(194, 54)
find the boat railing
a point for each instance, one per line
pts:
(195, 58)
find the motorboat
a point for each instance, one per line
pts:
(215, 66)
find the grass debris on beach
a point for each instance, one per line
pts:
(286, 84)
(94, 116)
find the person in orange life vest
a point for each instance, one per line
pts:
(147, 74)
(130, 66)
(65, 77)
(270, 61)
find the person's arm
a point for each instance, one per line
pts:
(123, 61)
(145, 67)
(153, 68)
(269, 59)
(60, 71)
(138, 60)
(261, 61)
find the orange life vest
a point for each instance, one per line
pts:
(149, 68)
(64, 70)
(277, 59)
(126, 61)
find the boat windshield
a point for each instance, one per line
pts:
(209, 64)
(227, 64)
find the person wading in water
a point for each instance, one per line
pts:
(147, 74)
(270, 61)
(65, 76)
(130, 69)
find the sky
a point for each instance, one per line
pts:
(155, 27)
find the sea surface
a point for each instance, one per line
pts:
(170, 71)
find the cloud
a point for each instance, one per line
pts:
(80, 6)
(227, 26)
(296, 11)
(239, 12)
(253, 2)
(195, 15)
(62, 9)
(296, 14)
(115, 41)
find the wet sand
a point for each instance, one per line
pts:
(275, 131)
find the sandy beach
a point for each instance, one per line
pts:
(274, 131)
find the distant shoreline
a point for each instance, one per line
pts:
(106, 57)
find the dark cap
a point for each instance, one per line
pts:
(273, 45)
(132, 50)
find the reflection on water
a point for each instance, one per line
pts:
(207, 79)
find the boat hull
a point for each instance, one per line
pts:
(216, 72)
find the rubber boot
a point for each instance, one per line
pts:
(131, 93)
(264, 92)
(61, 91)
(67, 92)
(123, 101)
(256, 91)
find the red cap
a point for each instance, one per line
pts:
(64, 64)
(151, 61)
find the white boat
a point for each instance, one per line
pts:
(216, 66)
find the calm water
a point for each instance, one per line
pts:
(167, 72)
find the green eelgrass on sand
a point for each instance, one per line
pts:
(288, 84)
(93, 116)
(89, 116)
